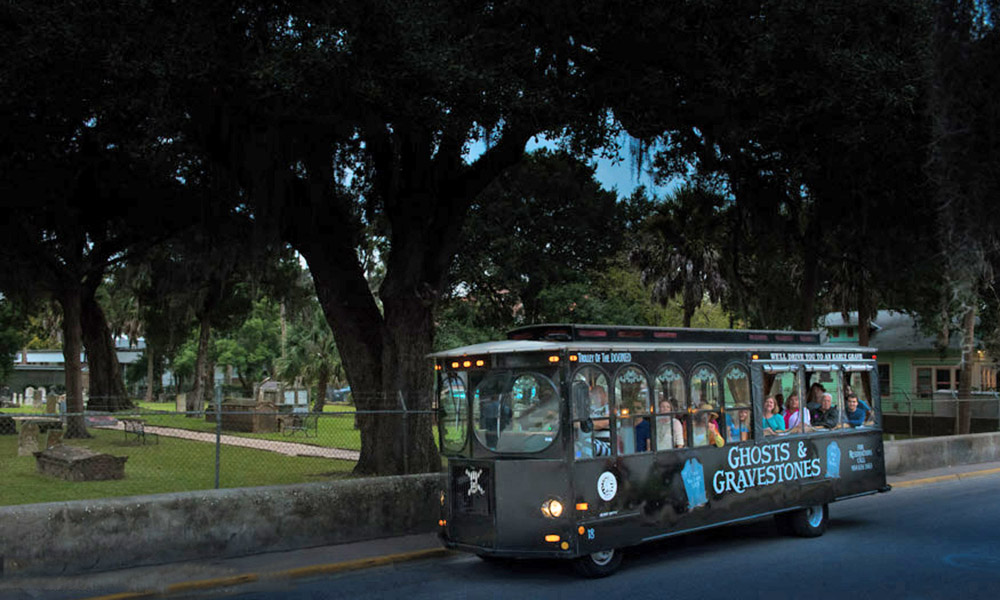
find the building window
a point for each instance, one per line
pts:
(925, 382)
(942, 379)
(884, 380)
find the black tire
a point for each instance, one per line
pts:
(598, 564)
(806, 522)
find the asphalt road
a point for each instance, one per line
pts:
(939, 540)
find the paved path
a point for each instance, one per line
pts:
(286, 448)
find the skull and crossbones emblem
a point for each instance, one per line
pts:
(474, 487)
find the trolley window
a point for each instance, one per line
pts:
(632, 410)
(736, 397)
(516, 412)
(671, 408)
(859, 412)
(454, 421)
(705, 406)
(590, 412)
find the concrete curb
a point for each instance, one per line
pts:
(300, 573)
(940, 478)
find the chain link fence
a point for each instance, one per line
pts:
(157, 448)
(937, 413)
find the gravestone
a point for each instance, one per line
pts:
(55, 438)
(51, 404)
(74, 463)
(42, 394)
(181, 403)
(29, 395)
(27, 442)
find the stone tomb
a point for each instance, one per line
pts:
(51, 404)
(74, 463)
(27, 442)
(55, 438)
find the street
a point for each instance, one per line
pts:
(939, 540)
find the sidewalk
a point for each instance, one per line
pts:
(174, 579)
(287, 448)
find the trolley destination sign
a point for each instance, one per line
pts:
(817, 356)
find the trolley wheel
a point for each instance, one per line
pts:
(806, 522)
(599, 564)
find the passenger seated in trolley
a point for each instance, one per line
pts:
(669, 429)
(814, 397)
(738, 429)
(793, 416)
(856, 413)
(773, 422)
(827, 414)
(706, 428)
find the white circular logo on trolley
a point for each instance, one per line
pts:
(607, 486)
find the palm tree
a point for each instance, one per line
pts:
(311, 354)
(680, 249)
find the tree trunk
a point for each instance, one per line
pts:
(404, 444)
(150, 372)
(864, 318)
(963, 415)
(196, 401)
(107, 388)
(321, 384)
(810, 284)
(76, 425)
(689, 309)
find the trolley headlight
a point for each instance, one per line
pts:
(552, 508)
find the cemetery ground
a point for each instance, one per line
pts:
(176, 465)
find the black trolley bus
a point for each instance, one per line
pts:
(576, 441)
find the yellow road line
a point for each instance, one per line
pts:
(939, 478)
(207, 584)
(361, 563)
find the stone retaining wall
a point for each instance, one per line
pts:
(98, 535)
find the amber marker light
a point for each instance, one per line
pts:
(455, 365)
(755, 356)
(581, 530)
(552, 538)
(553, 359)
(573, 358)
(480, 363)
(442, 522)
(467, 364)
(582, 506)
(564, 545)
(437, 367)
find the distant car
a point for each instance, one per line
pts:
(340, 395)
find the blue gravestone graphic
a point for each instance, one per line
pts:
(833, 461)
(694, 483)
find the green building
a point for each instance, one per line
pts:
(915, 377)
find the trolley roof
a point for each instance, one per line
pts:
(605, 338)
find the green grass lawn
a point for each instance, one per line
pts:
(173, 465)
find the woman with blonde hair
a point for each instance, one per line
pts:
(773, 422)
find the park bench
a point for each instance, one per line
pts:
(137, 429)
(300, 422)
